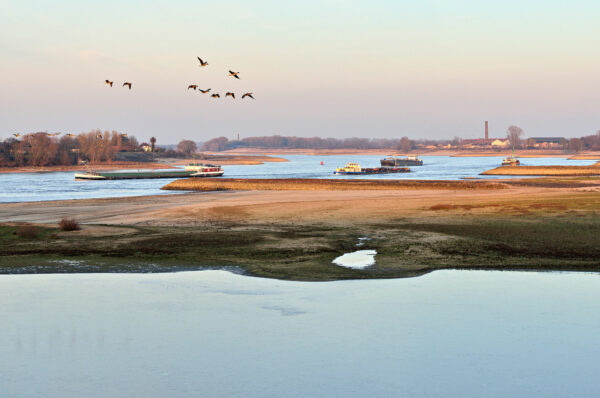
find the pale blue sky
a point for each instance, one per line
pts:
(329, 68)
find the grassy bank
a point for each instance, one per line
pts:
(544, 171)
(308, 184)
(406, 247)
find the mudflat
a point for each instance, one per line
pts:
(543, 225)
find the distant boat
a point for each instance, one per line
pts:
(395, 161)
(510, 161)
(354, 168)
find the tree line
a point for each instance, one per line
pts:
(40, 149)
(278, 142)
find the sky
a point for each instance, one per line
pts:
(330, 68)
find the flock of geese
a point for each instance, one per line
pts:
(195, 86)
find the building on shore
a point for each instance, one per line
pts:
(547, 142)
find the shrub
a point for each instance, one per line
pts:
(69, 224)
(28, 231)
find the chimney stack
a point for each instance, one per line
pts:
(486, 130)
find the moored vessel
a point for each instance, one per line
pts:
(510, 161)
(395, 161)
(191, 170)
(355, 169)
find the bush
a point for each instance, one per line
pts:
(28, 231)
(69, 224)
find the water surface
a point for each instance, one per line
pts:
(217, 334)
(22, 187)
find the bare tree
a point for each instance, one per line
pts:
(186, 147)
(514, 134)
(405, 145)
(152, 143)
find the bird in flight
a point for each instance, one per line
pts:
(194, 86)
(247, 95)
(99, 136)
(204, 91)
(109, 82)
(232, 95)
(70, 135)
(17, 135)
(127, 84)
(215, 96)
(202, 63)
(234, 74)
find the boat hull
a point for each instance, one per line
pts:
(400, 162)
(378, 170)
(141, 175)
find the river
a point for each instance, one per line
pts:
(219, 334)
(23, 187)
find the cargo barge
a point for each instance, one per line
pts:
(395, 161)
(355, 169)
(191, 170)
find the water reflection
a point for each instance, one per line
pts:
(213, 333)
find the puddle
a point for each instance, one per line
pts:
(362, 240)
(357, 260)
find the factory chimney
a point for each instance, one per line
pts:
(486, 130)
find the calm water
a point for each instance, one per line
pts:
(217, 334)
(61, 185)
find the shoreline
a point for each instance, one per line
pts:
(554, 171)
(547, 225)
(160, 163)
(524, 153)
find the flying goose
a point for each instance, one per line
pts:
(127, 84)
(194, 86)
(234, 74)
(204, 91)
(215, 96)
(70, 135)
(109, 82)
(247, 95)
(17, 135)
(202, 63)
(232, 95)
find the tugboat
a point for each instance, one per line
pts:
(354, 168)
(510, 161)
(395, 161)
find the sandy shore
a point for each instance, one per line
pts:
(95, 167)
(524, 153)
(310, 184)
(544, 171)
(280, 205)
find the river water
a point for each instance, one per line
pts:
(218, 334)
(21, 187)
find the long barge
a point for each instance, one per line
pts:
(192, 170)
(395, 161)
(355, 169)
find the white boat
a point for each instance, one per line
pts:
(204, 170)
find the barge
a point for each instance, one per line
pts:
(191, 170)
(395, 161)
(355, 169)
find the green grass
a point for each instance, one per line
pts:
(405, 248)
